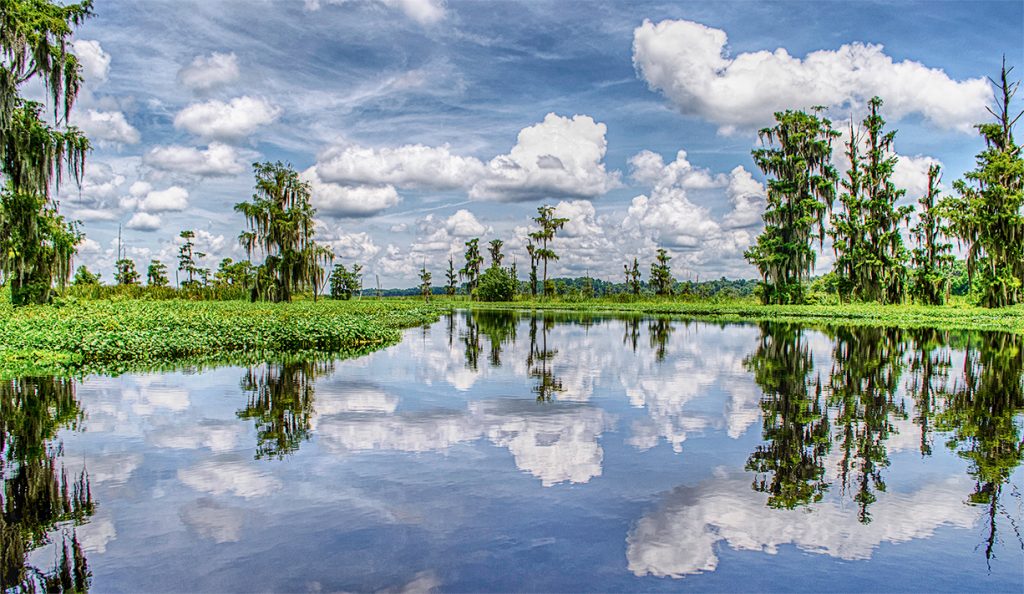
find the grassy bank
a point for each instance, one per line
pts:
(950, 317)
(86, 336)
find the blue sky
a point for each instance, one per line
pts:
(421, 123)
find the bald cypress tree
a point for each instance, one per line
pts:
(933, 258)
(985, 215)
(36, 243)
(797, 156)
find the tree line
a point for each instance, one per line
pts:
(807, 202)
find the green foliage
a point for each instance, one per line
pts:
(345, 282)
(870, 256)
(633, 276)
(986, 212)
(801, 187)
(126, 273)
(111, 336)
(156, 274)
(425, 282)
(471, 271)
(497, 284)
(36, 246)
(549, 224)
(661, 274)
(933, 258)
(84, 277)
(281, 226)
(452, 277)
(495, 251)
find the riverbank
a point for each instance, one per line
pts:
(948, 317)
(85, 336)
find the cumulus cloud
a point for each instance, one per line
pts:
(559, 157)
(143, 221)
(339, 200)
(413, 166)
(356, 247)
(688, 63)
(174, 198)
(216, 160)
(424, 12)
(94, 61)
(106, 126)
(209, 72)
(464, 224)
(230, 121)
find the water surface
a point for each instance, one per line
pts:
(503, 452)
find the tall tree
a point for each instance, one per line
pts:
(495, 250)
(847, 231)
(425, 282)
(661, 273)
(186, 256)
(126, 273)
(933, 258)
(156, 274)
(884, 267)
(452, 277)
(633, 276)
(281, 226)
(797, 156)
(531, 249)
(471, 271)
(36, 243)
(986, 213)
(549, 224)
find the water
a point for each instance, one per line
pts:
(501, 452)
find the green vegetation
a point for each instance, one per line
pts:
(86, 336)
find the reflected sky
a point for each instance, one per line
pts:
(495, 451)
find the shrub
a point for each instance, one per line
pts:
(496, 284)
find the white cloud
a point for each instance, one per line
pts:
(464, 224)
(349, 201)
(747, 196)
(218, 159)
(558, 158)
(108, 126)
(209, 72)
(94, 61)
(688, 63)
(174, 198)
(237, 477)
(143, 221)
(424, 12)
(414, 166)
(233, 120)
(357, 247)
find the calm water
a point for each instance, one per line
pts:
(492, 451)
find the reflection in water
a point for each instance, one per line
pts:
(982, 413)
(407, 458)
(866, 368)
(789, 466)
(539, 360)
(37, 495)
(280, 401)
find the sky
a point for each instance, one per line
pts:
(420, 124)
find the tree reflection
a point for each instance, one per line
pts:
(981, 412)
(659, 330)
(500, 329)
(280, 401)
(789, 466)
(631, 337)
(930, 365)
(539, 359)
(471, 343)
(38, 497)
(867, 364)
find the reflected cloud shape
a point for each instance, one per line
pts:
(238, 477)
(217, 435)
(555, 443)
(212, 520)
(679, 537)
